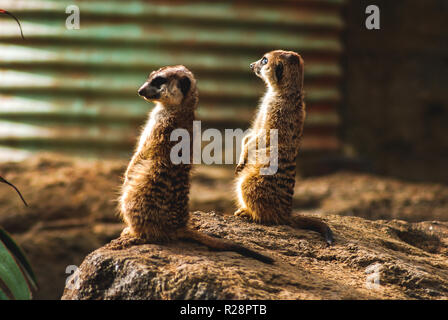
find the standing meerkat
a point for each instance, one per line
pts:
(154, 198)
(268, 198)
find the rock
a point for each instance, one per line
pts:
(73, 211)
(372, 197)
(409, 260)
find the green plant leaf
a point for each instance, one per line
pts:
(11, 275)
(19, 256)
(3, 296)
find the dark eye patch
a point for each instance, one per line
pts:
(264, 60)
(184, 85)
(158, 81)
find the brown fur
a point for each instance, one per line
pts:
(154, 199)
(268, 198)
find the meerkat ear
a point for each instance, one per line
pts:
(279, 71)
(297, 60)
(184, 85)
(302, 71)
(293, 59)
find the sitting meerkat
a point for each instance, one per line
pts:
(267, 198)
(154, 197)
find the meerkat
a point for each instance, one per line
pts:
(155, 193)
(267, 199)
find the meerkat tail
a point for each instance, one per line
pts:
(314, 224)
(223, 245)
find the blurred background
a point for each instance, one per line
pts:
(375, 142)
(75, 91)
(377, 99)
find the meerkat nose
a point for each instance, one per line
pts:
(252, 65)
(142, 90)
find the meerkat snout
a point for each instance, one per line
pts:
(148, 92)
(258, 65)
(167, 87)
(152, 88)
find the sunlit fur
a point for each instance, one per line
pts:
(155, 192)
(154, 198)
(268, 198)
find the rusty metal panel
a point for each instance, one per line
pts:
(75, 90)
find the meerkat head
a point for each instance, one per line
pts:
(171, 86)
(280, 69)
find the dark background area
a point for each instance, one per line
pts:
(395, 115)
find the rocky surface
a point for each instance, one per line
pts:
(72, 209)
(412, 260)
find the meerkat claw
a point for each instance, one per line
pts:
(239, 168)
(242, 213)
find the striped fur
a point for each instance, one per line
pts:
(154, 197)
(267, 199)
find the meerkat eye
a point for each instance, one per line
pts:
(264, 60)
(158, 81)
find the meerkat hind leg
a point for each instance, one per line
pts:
(125, 240)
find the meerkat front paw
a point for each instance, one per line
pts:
(243, 213)
(126, 232)
(239, 168)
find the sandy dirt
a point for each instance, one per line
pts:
(73, 206)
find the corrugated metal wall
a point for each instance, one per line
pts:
(75, 90)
